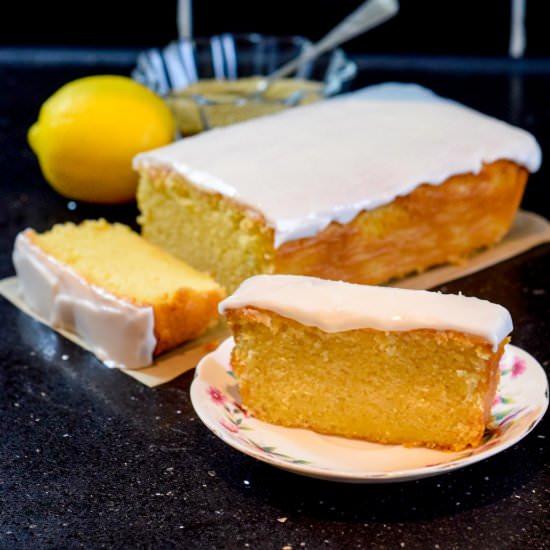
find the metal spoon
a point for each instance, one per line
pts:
(367, 16)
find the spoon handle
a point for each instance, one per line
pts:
(367, 16)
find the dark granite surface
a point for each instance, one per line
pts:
(91, 458)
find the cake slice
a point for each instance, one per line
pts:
(377, 363)
(126, 298)
(351, 189)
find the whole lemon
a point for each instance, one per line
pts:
(90, 129)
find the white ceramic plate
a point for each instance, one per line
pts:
(522, 400)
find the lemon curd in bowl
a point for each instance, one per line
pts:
(213, 81)
(211, 103)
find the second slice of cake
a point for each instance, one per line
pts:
(383, 364)
(126, 298)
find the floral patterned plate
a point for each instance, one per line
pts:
(521, 401)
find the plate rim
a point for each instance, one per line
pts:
(364, 476)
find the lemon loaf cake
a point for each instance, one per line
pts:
(388, 365)
(126, 298)
(349, 189)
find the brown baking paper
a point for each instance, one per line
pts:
(528, 231)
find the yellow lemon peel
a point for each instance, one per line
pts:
(88, 132)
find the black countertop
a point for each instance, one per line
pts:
(91, 458)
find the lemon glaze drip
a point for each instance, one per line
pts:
(119, 333)
(335, 306)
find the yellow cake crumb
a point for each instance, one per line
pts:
(119, 261)
(416, 387)
(430, 226)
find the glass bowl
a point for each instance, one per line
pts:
(213, 81)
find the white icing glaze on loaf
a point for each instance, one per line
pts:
(335, 306)
(309, 166)
(120, 334)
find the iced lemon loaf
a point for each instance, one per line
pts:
(350, 189)
(377, 363)
(128, 299)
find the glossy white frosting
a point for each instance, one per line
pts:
(335, 306)
(118, 332)
(309, 166)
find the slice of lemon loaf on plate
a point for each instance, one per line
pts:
(126, 298)
(384, 364)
